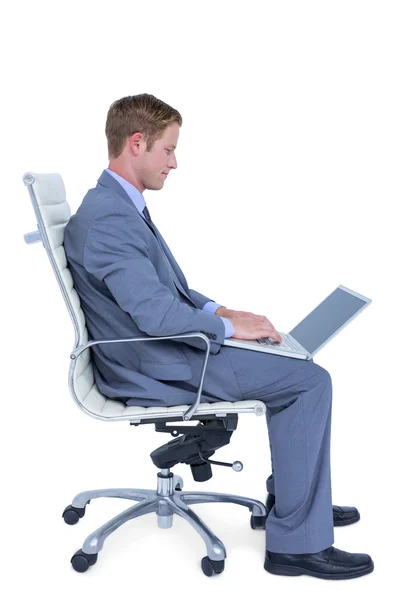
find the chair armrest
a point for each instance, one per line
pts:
(189, 413)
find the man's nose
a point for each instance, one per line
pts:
(172, 163)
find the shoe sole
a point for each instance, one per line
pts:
(293, 571)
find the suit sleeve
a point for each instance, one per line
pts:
(116, 253)
(199, 299)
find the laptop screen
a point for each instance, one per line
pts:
(326, 320)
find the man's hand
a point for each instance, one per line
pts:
(222, 311)
(247, 325)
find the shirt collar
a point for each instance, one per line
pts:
(131, 190)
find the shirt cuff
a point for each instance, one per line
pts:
(211, 307)
(229, 328)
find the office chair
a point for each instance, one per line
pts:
(195, 445)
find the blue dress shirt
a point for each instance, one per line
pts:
(140, 203)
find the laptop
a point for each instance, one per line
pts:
(313, 332)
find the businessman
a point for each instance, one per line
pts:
(130, 284)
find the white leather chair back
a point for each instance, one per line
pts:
(48, 195)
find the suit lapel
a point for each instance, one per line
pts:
(171, 261)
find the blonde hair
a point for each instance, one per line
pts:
(142, 113)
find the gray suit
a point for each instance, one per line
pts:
(127, 288)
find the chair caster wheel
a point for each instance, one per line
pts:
(71, 514)
(257, 522)
(81, 561)
(211, 567)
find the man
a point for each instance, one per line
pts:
(130, 285)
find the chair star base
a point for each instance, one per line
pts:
(168, 500)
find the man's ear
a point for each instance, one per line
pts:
(136, 142)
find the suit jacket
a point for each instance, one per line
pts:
(127, 288)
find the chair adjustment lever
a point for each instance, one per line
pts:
(236, 466)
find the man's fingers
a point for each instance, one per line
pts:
(272, 333)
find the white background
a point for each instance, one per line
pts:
(287, 186)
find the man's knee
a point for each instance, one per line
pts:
(322, 374)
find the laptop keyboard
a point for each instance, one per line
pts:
(286, 344)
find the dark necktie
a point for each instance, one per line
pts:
(147, 214)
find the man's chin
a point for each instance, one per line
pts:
(158, 185)
(153, 186)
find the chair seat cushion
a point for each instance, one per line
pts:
(105, 408)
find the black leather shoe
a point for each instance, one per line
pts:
(342, 515)
(327, 564)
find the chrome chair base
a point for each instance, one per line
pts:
(169, 499)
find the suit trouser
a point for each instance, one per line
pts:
(298, 398)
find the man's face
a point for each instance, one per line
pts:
(156, 164)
